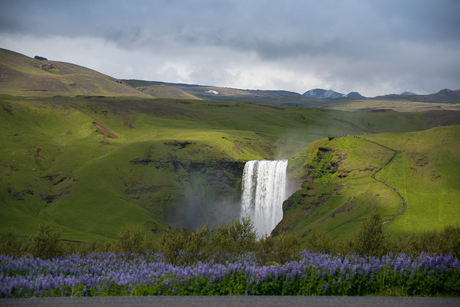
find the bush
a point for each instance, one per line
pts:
(280, 249)
(238, 237)
(321, 243)
(130, 239)
(178, 249)
(370, 239)
(46, 244)
(449, 240)
(445, 241)
(11, 245)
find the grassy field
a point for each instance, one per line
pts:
(427, 174)
(344, 179)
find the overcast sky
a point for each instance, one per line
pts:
(373, 47)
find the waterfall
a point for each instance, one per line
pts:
(264, 190)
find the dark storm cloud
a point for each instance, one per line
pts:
(273, 29)
(342, 41)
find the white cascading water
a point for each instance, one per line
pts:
(264, 191)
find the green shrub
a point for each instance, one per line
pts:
(445, 241)
(321, 243)
(237, 237)
(150, 244)
(449, 241)
(10, 244)
(46, 244)
(280, 249)
(175, 247)
(130, 239)
(344, 247)
(184, 247)
(370, 239)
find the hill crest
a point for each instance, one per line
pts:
(25, 76)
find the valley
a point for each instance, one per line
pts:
(89, 154)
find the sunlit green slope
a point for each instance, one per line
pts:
(413, 179)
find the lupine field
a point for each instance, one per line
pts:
(231, 260)
(104, 274)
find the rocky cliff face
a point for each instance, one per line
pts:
(191, 192)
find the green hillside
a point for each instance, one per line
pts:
(412, 179)
(92, 164)
(25, 76)
(160, 89)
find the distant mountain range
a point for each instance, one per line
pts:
(25, 76)
(443, 96)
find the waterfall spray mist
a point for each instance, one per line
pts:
(264, 190)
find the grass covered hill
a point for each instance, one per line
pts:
(25, 76)
(178, 90)
(161, 89)
(89, 165)
(412, 179)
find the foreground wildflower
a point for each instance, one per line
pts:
(312, 274)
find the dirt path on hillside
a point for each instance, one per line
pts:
(403, 202)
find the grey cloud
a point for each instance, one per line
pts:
(346, 43)
(269, 21)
